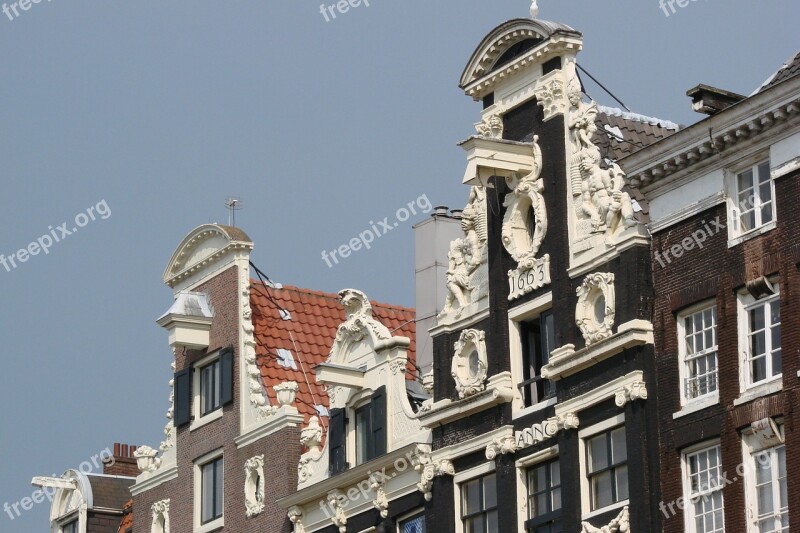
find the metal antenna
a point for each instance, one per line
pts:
(233, 205)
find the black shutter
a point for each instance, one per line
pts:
(183, 397)
(337, 433)
(378, 423)
(226, 362)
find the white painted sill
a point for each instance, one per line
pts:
(534, 408)
(697, 405)
(757, 391)
(752, 234)
(608, 509)
(210, 417)
(211, 526)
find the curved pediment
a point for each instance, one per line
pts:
(202, 246)
(501, 41)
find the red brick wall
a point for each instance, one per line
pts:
(281, 450)
(717, 272)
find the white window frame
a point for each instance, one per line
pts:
(586, 489)
(413, 514)
(523, 465)
(735, 235)
(356, 401)
(522, 313)
(689, 510)
(750, 390)
(199, 463)
(711, 398)
(201, 420)
(752, 448)
(463, 477)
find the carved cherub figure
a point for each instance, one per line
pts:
(457, 277)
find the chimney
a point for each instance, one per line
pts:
(432, 239)
(122, 463)
(710, 100)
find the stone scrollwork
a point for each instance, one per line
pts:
(311, 435)
(429, 470)
(524, 229)
(258, 397)
(501, 446)
(550, 95)
(468, 260)
(254, 485)
(335, 504)
(381, 501)
(595, 311)
(490, 127)
(621, 524)
(357, 326)
(160, 512)
(470, 364)
(296, 517)
(398, 366)
(630, 393)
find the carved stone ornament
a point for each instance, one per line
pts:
(254, 485)
(621, 524)
(311, 435)
(398, 366)
(160, 512)
(146, 459)
(546, 430)
(336, 502)
(286, 392)
(631, 393)
(550, 94)
(429, 470)
(470, 363)
(491, 127)
(468, 260)
(169, 429)
(296, 518)
(258, 397)
(501, 446)
(600, 204)
(381, 501)
(358, 325)
(595, 312)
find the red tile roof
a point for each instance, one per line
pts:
(309, 335)
(127, 518)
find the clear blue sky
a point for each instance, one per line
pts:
(163, 109)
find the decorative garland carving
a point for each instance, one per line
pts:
(339, 518)
(160, 512)
(381, 501)
(470, 363)
(468, 260)
(621, 524)
(311, 435)
(631, 393)
(254, 485)
(258, 398)
(595, 311)
(169, 429)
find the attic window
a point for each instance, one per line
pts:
(515, 51)
(286, 359)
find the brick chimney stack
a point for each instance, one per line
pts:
(123, 462)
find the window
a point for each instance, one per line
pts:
(544, 498)
(753, 204)
(212, 488)
(538, 340)
(771, 500)
(203, 389)
(703, 484)
(698, 351)
(479, 505)
(210, 387)
(358, 435)
(415, 524)
(762, 341)
(71, 527)
(606, 460)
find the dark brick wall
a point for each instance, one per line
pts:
(718, 272)
(281, 450)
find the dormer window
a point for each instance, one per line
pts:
(363, 427)
(203, 389)
(71, 527)
(210, 387)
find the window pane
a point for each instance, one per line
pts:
(490, 492)
(207, 503)
(598, 453)
(413, 525)
(619, 448)
(219, 489)
(475, 525)
(491, 522)
(363, 434)
(601, 490)
(622, 483)
(472, 497)
(745, 181)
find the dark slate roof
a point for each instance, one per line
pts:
(789, 69)
(620, 133)
(110, 492)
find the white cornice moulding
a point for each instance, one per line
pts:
(465, 322)
(162, 476)
(495, 157)
(340, 376)
(284, 417)
(565, 361)
(634, 381)
(475, 444)
(499, 390)
(687, 212)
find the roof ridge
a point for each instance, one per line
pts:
(636, 117)
(332, 296)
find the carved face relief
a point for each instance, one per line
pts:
(595, 312)
(469, 367)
